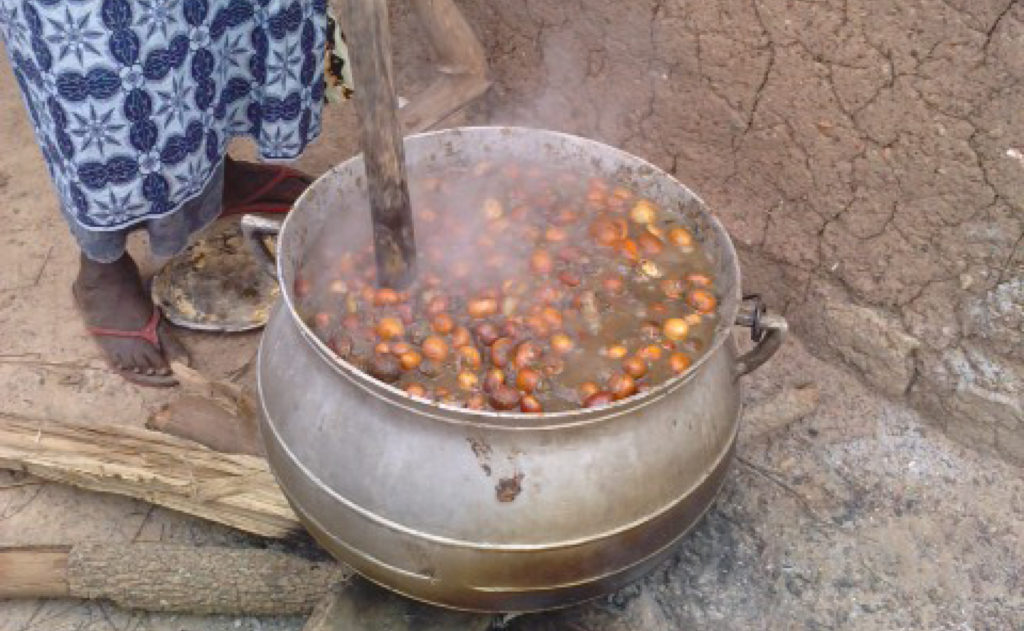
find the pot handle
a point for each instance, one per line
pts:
(767, 330)
(255, 229)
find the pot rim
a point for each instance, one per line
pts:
(516, 420)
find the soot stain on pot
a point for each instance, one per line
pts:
(508, 489)
(482, 451)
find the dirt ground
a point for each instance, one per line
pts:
(862, 153)
(859, 516)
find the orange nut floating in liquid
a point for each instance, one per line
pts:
(390, 327)
(435, 348)
(675, 329)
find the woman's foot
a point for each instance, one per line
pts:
(251, 187)
(117, 310)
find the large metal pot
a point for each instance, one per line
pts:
(497, 512)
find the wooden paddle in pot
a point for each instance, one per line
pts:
(381, 140)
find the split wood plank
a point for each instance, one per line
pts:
(232, 489)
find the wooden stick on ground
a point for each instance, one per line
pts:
(461, 62)
(203, 421)
(366, 22)
(171, 578)
(235, 490)
(218, 414)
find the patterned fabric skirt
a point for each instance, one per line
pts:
(134, 101)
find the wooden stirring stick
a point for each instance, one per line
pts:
(366, 27)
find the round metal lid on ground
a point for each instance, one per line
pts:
(216, 284)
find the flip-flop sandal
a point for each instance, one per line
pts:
(148, 333)
(252, 203)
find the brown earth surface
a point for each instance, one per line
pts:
(867, 157)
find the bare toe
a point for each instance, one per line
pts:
(118, 360)
(152, 360)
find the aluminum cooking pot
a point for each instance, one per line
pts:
(490, 511)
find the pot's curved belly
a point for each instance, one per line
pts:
(490, 518)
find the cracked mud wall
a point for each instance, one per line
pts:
(866, 155)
